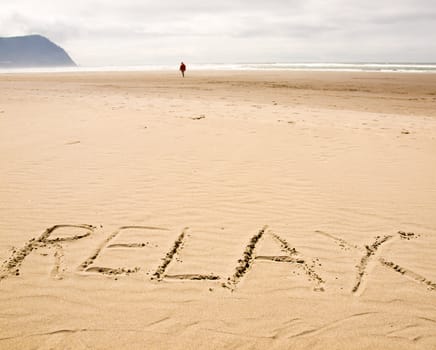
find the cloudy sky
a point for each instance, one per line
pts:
(132, 32)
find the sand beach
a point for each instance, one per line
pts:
(223, 210)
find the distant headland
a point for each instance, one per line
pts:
(32, 51)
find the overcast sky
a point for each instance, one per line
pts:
(132, 32)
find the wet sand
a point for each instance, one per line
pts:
(244, 210)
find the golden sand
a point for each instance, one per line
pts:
(242, 210)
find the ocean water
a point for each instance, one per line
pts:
(340, 67)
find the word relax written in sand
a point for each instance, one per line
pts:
(290, 255)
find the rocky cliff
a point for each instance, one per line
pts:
(32, 51)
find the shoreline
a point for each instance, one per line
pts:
(365, 67)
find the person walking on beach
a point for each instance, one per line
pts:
(182, 69)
